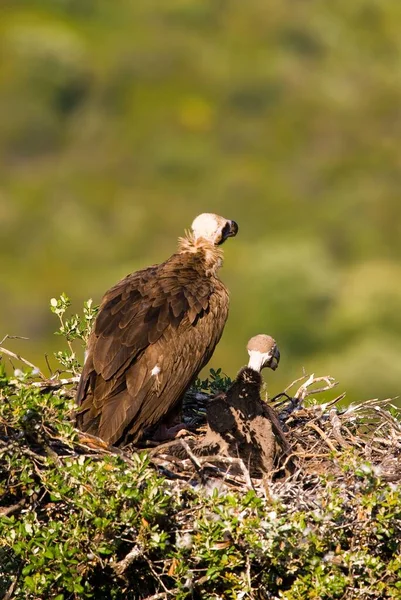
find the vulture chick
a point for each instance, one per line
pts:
(155, 330)
(239, 422)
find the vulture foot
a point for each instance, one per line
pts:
(164, 433)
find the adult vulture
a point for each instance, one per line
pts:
(155, 330)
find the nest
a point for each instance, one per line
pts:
(319, 438)
(297, 437)
(319, 453)
(300, 437)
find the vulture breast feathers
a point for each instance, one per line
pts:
(155, 330)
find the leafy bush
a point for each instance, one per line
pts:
(80, 520)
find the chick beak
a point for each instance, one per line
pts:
(275, 359)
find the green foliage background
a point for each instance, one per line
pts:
(120, 121)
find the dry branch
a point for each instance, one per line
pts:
(132, 556)
(23, 360)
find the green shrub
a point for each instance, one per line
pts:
(78, 520)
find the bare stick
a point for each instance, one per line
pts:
(23, 360)
(303, 391)
(166, 592)
(311, 455)
(48, 365)
(352, 437)
(294, 382)
(191, 455)
(122, 565)
(10, 592)
(231, 461)
(336, 424)
(55, 384)
(12, 337)
(323, 435)
(9, 510)
(338, 399)
(248, 573)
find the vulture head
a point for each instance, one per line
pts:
(213, 228)
(263, 352)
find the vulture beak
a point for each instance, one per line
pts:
(233, 229)
(230, 229)
(275, 359)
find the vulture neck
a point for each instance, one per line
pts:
(211, 255)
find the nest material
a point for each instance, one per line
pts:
(316, 437)
(292, 437)
(296, 438)
(321, 438)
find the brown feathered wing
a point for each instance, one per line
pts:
(155, 331)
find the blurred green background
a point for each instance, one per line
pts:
(121, 121)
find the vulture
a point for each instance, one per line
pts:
(155, 330)
(244, 394)
(240, 423)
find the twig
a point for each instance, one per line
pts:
(248, 573)
(122, 565)
(192, 457)
(231, 461)
(166, 472)
(163, 457)
(336, 424)
(323, 436)
(276, 404)
(227, 477)
(385, 442)
(294, 382)
(23, 360)
(352, 437)
(166, 592)
(48, 365)
(12, 337)
(9, 510)
(303, 391)
(10, 592)
(338, 399)
(91, 442)
(54, 384)
(311, 455)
